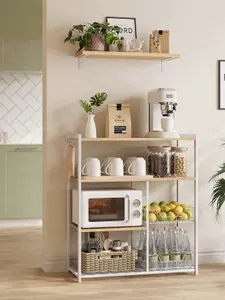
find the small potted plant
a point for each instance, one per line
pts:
(89, 107)
(94, 36)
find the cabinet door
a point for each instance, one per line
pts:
(24, 183)
(2, 182)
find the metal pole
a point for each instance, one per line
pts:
(196, 203)
(79, 241)
(147, 227)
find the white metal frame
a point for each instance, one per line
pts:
(76, 141)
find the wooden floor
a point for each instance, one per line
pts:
(21, 278)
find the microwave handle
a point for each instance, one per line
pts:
(127, 208)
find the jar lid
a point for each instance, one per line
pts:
(155, 148)
(173, 148)
(166, 148)
(181, 149)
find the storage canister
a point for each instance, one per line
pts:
(181, 162)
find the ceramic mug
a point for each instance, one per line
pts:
(92, 167)
(114, 167)
(137, 167)
(104, 164)
(127, 164)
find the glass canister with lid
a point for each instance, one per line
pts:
(152, 156)
(159, 161)
(180, 162)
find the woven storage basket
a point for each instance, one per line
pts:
(102, 262)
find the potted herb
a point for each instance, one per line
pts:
(89, 107)
(94, 36)
(218, 193)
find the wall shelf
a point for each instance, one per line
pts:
(108, 229)
(126, 55)
(129, 178)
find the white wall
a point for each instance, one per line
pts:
(196, 33)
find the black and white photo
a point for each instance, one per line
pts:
(221, 84)
(128, 26)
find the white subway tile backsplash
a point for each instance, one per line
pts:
(6, 102)
(26, 88)
(19, 102)
(21, 106)
(12, 88)
(3, 112)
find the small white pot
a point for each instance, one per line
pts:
(90, 130)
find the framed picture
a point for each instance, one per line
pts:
(221, 84)
(128, 26)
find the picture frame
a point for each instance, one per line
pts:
(221, 102)
(128, 25)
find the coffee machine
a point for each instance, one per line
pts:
(162, 111)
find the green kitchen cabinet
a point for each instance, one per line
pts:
(23, 182)
(2, 183)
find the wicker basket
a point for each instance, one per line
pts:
(102, 262)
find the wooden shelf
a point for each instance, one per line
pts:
(126, 55)
(114, 229)
(86, 179)
(135, 139)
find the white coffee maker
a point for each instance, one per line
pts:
(162, 112)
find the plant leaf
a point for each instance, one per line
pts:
(218, 196)
(86, 106)
(219, 172)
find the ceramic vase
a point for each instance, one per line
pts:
(90, 130)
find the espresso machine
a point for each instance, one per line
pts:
(162, 112)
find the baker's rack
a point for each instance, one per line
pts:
(77, 142)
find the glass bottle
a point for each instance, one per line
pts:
(186, 249)
(163, 250)
(175, 254)
(153, 256)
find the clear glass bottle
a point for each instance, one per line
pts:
(163, 251)
(175, 254)
(153, 256)
(186, 254)
(181, 162)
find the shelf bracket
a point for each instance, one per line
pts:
(161, 65)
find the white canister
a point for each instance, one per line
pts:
(137, 167)
(115, 167)
(92, 167)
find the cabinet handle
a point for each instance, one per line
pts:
(32, 149)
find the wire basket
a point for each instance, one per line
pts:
(103, 262)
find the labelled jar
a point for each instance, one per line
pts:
(181, 162)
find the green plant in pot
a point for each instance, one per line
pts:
(218, 193)
(94, 36)
(89, 107)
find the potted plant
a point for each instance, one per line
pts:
(89, 107)
(94, 36)
(218, 193)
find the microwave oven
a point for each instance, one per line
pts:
(108, 208)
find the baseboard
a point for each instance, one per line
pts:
(55, 266)
(20, 223)
(210, 257)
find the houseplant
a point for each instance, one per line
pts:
(218, 193)
(89, 107)
(94, 36)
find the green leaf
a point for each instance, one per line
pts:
(98, 99)
(86, 106)
(219, 172)
(79, 27)
(67, 39)
(218, 196)
(109, 39)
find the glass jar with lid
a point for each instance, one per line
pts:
(164, 161)
(172, 167)
(181, 162)
(152, 152)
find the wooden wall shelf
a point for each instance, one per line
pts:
(126, 55)
(86, 179)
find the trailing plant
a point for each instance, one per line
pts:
(95, 101)
(82, 34)
(218, 193)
